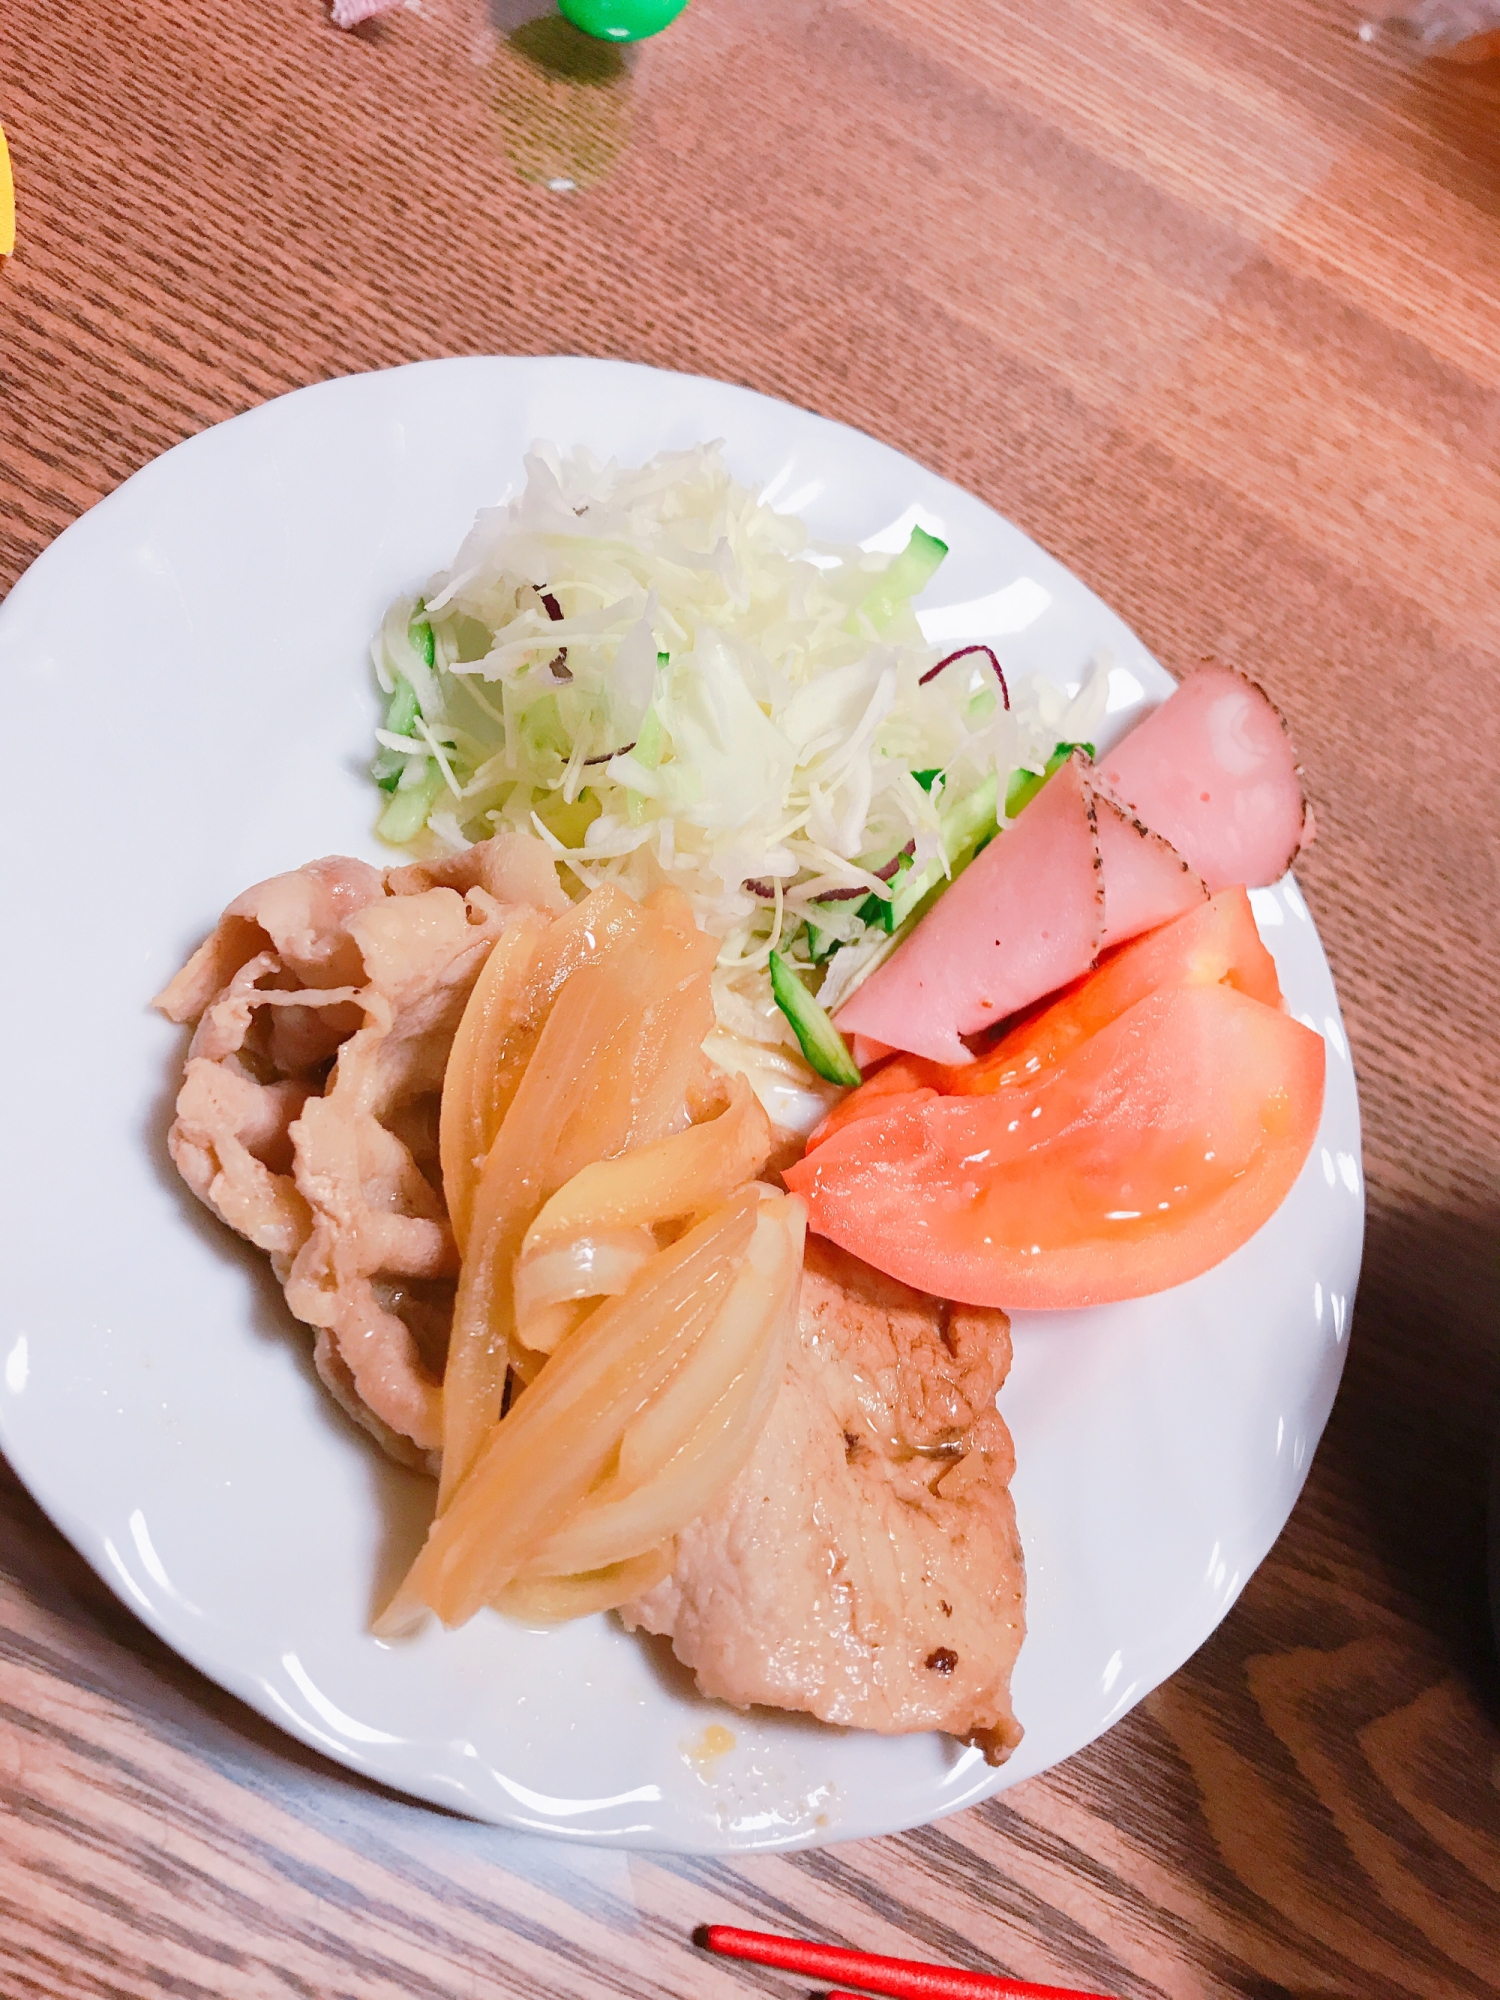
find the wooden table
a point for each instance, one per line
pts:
(1207, 297)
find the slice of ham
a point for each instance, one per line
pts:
(1213, 771)
(1203, 796)
(1024, 918)
(867, 1053)
(1146, 881)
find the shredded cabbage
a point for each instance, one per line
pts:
(670, 681)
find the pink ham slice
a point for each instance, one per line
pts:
(867, 1052)
(1202, 796)
(1075, 874)
(1213, 772)
(1025, 917)
(1146, 881)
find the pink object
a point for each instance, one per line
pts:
(1202, 796)
(1213, 771)
(1146, 881)
(349, 13)
(866, 1052)
(1023, 919)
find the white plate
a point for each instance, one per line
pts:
(190, 712)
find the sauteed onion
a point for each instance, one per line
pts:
(622, 1267)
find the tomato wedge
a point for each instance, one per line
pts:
(1215, 943)
(1140, 1156)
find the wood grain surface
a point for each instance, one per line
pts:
(1206, 296)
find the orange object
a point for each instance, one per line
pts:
(1170, 1109)
(1215, 943)
(7, 200)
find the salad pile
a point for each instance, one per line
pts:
(673, 683)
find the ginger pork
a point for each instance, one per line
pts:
(865, 1565)
(809, 1499)
(325, 1005)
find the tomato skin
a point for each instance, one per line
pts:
(904, 1077)
(1146, 1155)
(1216, 943)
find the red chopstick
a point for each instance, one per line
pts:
(899, 1978)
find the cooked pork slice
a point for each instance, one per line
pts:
(302, 917)
(326, 1002)
(865, 1565)
(513, 868)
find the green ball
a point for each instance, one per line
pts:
(621, 20)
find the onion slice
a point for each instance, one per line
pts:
(610, 1207)
(681, 1453)
(549, 1600)
(502, 1023)
(561, 1434)
(590, 1267)
(613, 1067)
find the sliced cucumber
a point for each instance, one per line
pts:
(966, 826)
(403, 708)
(969, 822)
(880, 910)
(902, 578)
(822, 1044)
(543, 729)
(401, 712)
(419, 631)
(918, 886)
(407, 812)
(1024, 785)
(821, 945)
